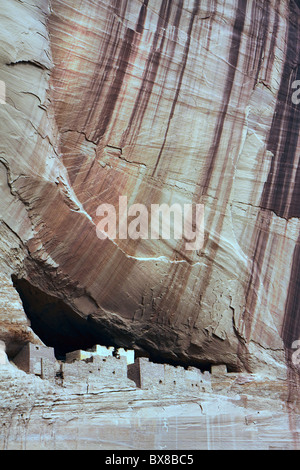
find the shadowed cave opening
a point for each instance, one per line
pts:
(60, 327)
(56, 323)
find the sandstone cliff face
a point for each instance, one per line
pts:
(162, 102)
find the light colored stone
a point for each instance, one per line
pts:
(3, 356)
(129, 354)
(98, 350)
(220, 369)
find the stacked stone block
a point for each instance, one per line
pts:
(106, 368)
(97, 350)
(95, 374)
(38, 360)
(148, 375)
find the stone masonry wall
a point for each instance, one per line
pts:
(148, 375)
(38, 360)
(96, 374)
(92, 374)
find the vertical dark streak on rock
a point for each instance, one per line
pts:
(255, 277)
(108, 50)
(271, 55)
(291, 323)
(172, 49)
(108, 53)
(106, 59)
(149, 75)
(281, 192)
(142, 17)
(179, 85)
(291, 326)
(233, 60)
(89, 171)
(261, 39)
(257, 38)
(115, 87)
